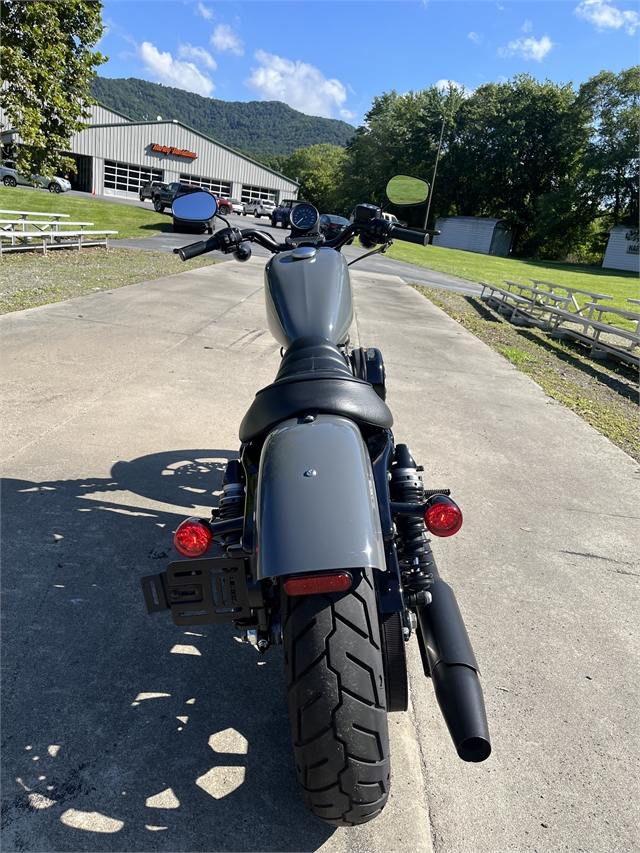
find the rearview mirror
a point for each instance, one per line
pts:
(405, 190)
(195, 207)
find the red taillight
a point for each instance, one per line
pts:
(192, 538)
(314, 584)
(443, 517)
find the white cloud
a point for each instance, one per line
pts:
(226, 41)
(204, 11)
(527, 27)
(298, 84)
(527, 48)
(476, 37)
(604, 16)
(171, 72)
(446, 84)
(198, 54)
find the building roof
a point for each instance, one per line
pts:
(192, 130)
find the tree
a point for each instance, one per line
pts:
(610, 165)
(47, 64)
(515, 156)
(320, 171)
(400, 136)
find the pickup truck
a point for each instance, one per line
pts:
(282, 213)
(148, 190)
(166, 194)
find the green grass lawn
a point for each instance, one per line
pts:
(475, 267)
(29, 279)
(127, 220)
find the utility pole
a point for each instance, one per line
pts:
(435, 169)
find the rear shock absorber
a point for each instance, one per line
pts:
(231, 504)
(414, 551)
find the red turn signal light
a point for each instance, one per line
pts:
(192, 538)
(314, 584)
(443, 517)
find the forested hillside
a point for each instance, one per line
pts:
(264, 128)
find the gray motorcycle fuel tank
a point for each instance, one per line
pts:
(316, 503)
(308, 292)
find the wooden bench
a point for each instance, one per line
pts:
(591, 333)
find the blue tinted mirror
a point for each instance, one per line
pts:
(194, 207)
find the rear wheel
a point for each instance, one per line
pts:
(8, 181)
(337, 702)
(158, 206)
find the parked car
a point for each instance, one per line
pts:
(147, 190)
(259, 207)
(332, 225)
(391, 217)
(236, 206)
(225, 206)
(54, 185)
(282, 213)
(10, 177)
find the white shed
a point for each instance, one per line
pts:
(474, 234)
(622, 249)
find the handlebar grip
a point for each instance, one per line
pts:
(420, 238)
(195, 249)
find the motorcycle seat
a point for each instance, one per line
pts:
(314, 376)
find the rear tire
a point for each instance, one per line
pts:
(337, 702)
(9, 181)
(158, 206)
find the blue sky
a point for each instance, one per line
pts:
(331, 57)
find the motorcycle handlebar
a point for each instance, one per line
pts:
(195, 249)
(420, 238)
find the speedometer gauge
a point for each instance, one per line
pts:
(304, 216)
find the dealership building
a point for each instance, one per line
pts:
(116, 156)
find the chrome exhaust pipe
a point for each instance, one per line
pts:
(449, 660)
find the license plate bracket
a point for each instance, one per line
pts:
(200, 592)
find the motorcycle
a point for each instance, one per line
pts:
(325, 526)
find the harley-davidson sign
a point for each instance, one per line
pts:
(176, 152)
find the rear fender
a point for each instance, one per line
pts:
(316, 504)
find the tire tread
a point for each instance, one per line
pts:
(337, 702)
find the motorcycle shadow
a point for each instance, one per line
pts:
(122, 731)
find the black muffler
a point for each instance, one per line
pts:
(449, 660)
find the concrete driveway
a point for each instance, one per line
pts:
(123, 732)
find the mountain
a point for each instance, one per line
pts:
(261, 128)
